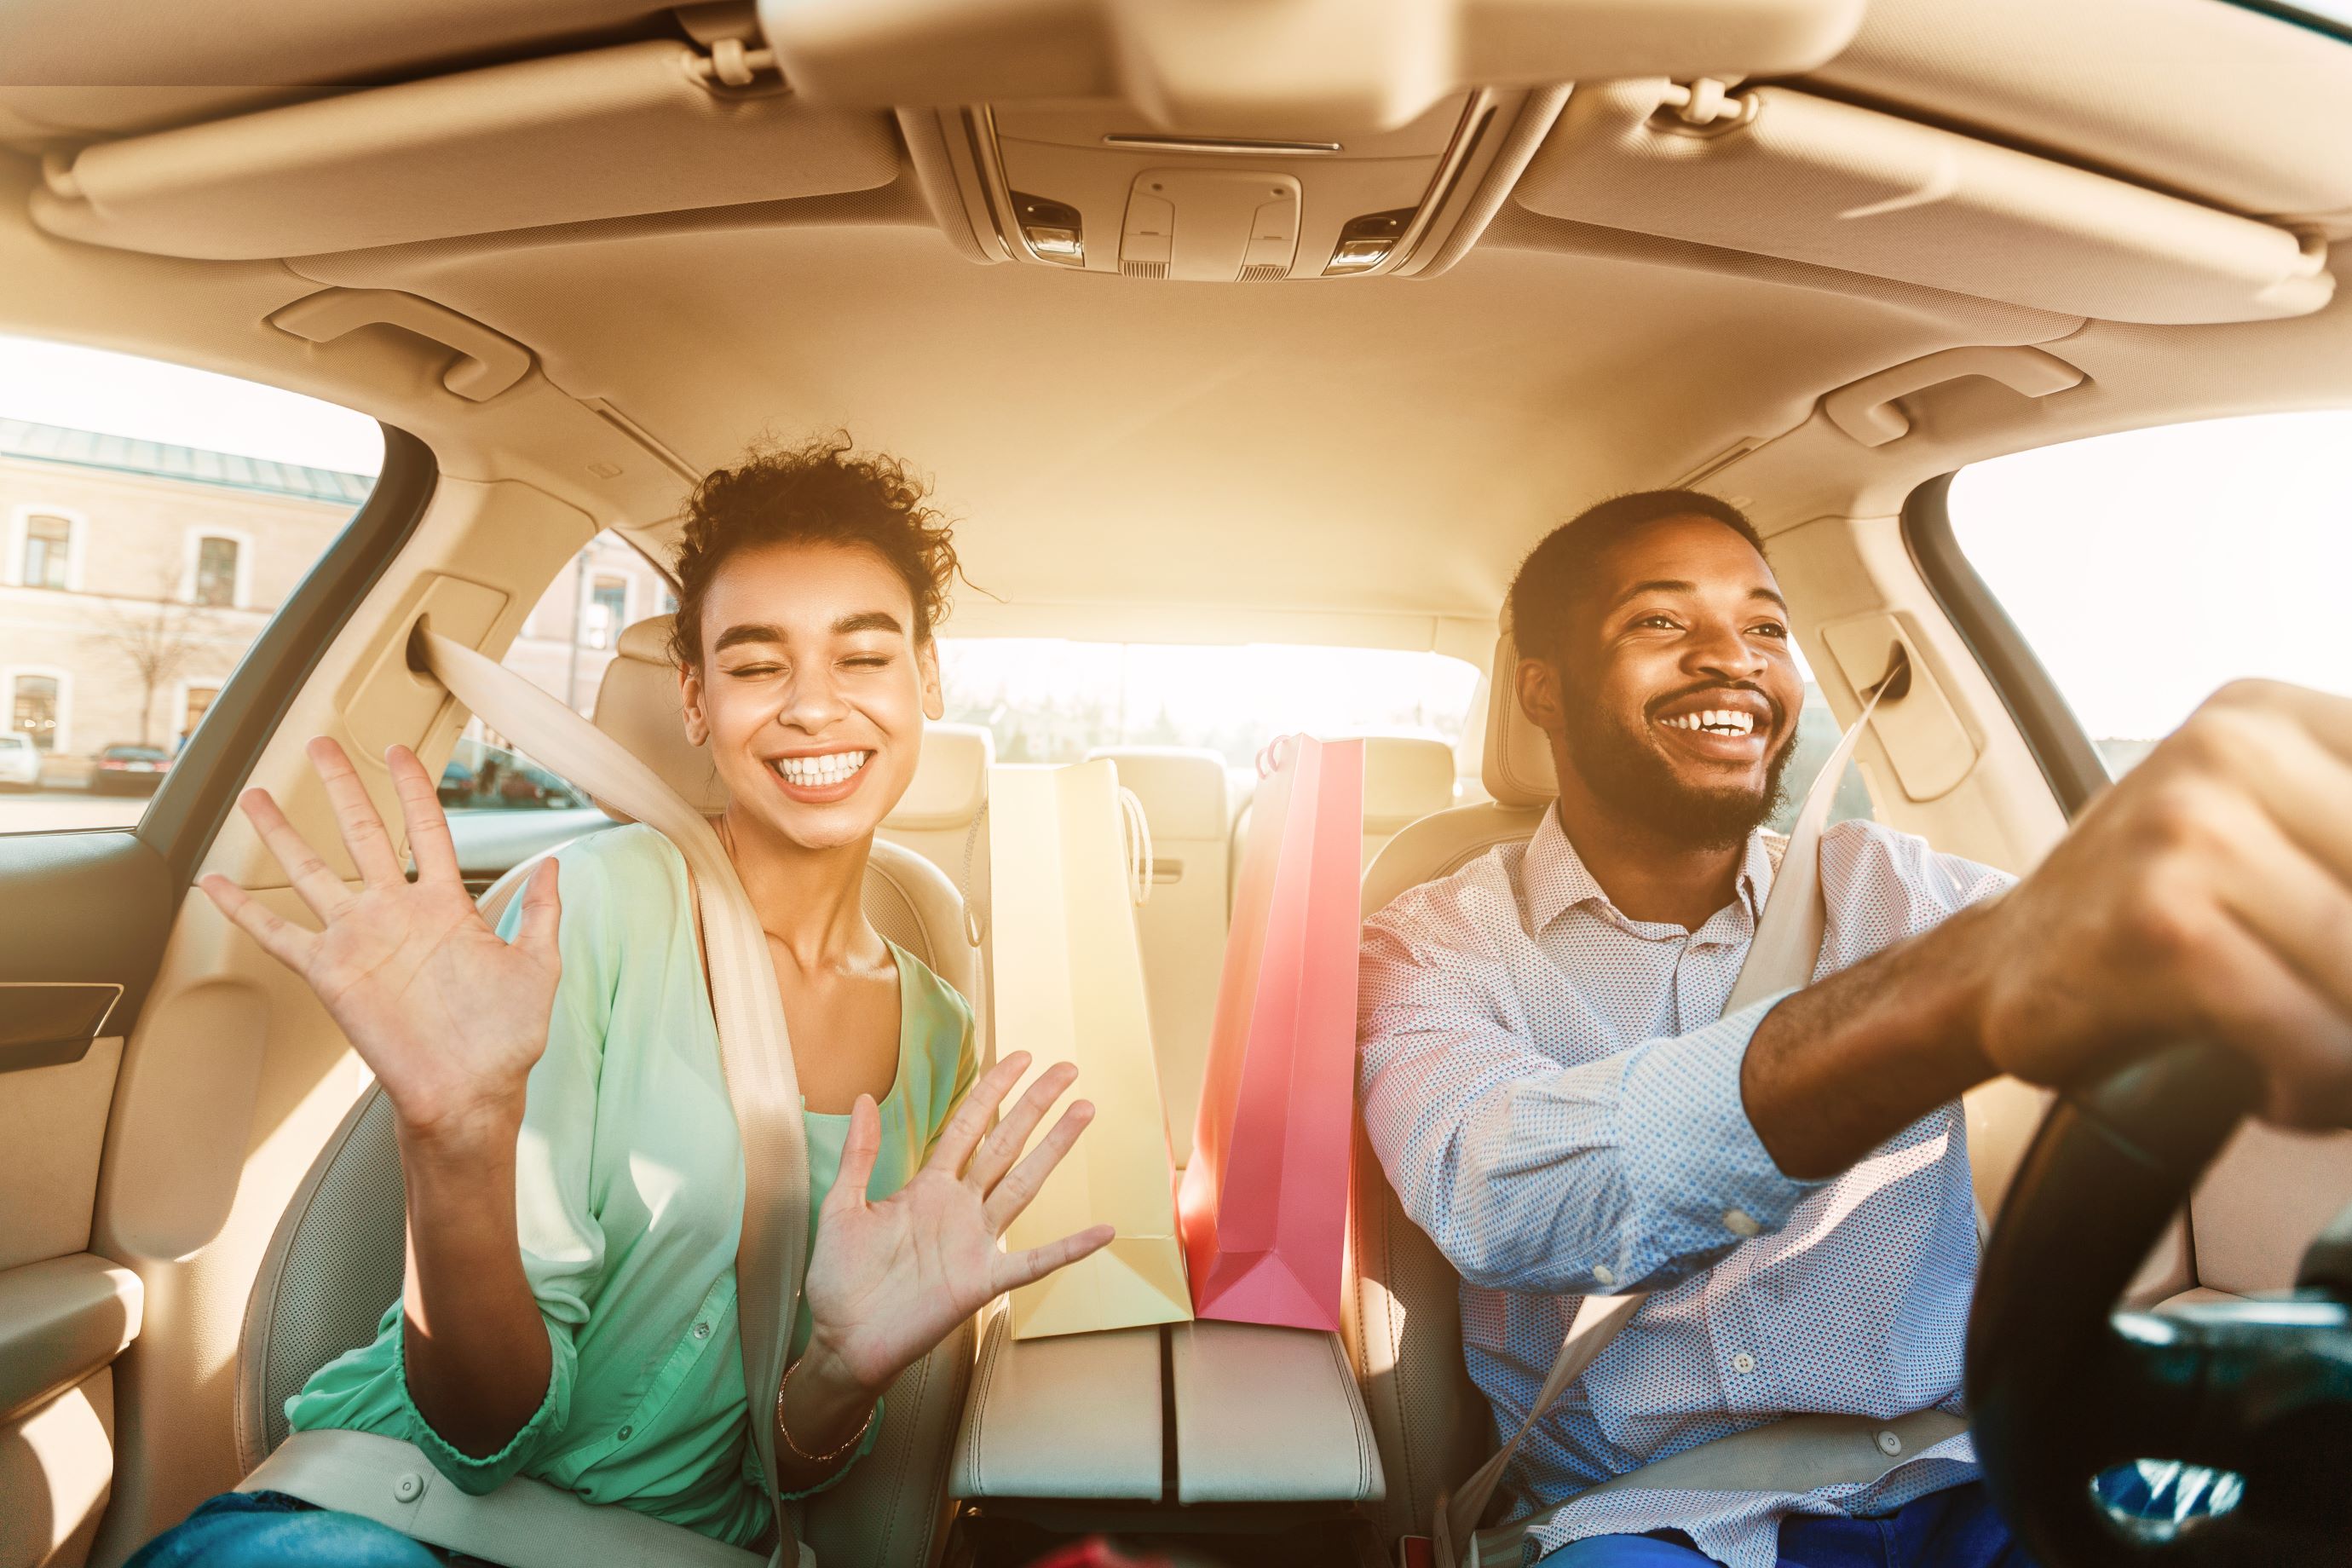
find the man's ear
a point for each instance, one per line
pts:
(1538, 693)
(927, 666)
(690, 701)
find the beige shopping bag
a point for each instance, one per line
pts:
(1069, 987)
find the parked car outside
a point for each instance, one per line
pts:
(484, 777)
(20, 761)
(129, 770)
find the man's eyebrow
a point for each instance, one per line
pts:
(1654, 585)
(1682, 585)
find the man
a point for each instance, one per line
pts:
(1556, 1101)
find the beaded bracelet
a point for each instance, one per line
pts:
(802, 1454)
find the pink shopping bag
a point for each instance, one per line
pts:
(1263, 1207)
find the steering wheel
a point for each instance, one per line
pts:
(2064, 1386)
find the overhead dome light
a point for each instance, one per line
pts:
(1054, 230)
(1368, 241)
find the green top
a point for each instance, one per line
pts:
(629, 1194)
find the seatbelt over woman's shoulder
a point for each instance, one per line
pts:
(1783, 956)
(755, 1050)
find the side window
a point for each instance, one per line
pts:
(2149, 568)
(569, 636)
(156, 518)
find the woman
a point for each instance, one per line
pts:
(574, 1176)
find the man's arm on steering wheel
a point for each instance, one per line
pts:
(2208, 893)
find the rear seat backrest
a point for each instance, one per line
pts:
(1182, 928)
(1406, 778)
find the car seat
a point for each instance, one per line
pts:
(1400, 1312)
(336, 1258)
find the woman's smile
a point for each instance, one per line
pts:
(820, 778)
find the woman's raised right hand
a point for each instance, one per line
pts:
(448, 1015)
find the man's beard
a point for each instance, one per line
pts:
(1626, 772)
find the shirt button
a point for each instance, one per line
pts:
(625, 1433)
(1740, 1221)
(1889, 1443)
(1603, 1275)
(702, 1331)
(1743, 1362)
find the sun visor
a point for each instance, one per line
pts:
(614, 133)
(1778, 173)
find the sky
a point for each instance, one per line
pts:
(2149, 568)
(2144, 568)
(118, 395)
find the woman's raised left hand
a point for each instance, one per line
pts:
(889, 1278)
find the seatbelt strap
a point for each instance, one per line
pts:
(1782, 955)
(755, 1051)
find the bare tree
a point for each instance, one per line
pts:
(156, 637)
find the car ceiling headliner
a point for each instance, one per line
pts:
(1390, 445)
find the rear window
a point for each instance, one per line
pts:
(1048, 699)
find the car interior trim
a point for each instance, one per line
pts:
(48, 1023)
(196, 797)
(2066, 757)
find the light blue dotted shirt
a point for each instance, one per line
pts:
(1555, 1097)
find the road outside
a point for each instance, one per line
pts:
(52, 810)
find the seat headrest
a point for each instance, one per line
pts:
(1406, 778)
(638, 705)
(1518, 768)
(1185, 790)
(950, 782)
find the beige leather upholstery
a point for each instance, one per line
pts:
(1518, 769)
(1186, 800)
(1401, 1315)
(1073, 1416)
(1406, 778)
(638, 705)
(1268, 1415)
(949, 792)
(336, 1259)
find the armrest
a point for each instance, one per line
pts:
(60, 1320)
(1268, 1415)
(1073, 1416)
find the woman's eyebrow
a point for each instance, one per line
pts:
(870, 621)
(749, 631)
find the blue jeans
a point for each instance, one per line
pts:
(1956, 1528)
(267, 1529)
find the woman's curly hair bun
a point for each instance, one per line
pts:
(825, 491)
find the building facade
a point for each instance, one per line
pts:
(134, 575)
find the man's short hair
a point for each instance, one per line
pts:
(1557, 577)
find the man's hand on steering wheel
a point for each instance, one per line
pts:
(2207, 895)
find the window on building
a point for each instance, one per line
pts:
(199, 703)
(215, 571)
(608, 610)
(33, 709)
(668, 601)
(142, 504)
(2147, 568)
(49, 545)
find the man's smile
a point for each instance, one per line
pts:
(1718, 724)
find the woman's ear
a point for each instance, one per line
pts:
(927, 667)
(690, 701)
